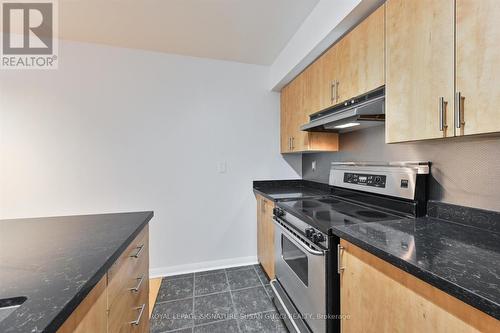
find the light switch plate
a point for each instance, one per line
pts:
(313, 165)
(222, 167)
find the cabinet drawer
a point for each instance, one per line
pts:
(130, 267)
(128, 288)
(130, 312)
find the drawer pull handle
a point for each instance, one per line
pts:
(136, 288)
(139, 251)
(340, 269)
(141, 311)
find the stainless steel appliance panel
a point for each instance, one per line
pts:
(300, 269)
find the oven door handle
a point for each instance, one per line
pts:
(298, 242)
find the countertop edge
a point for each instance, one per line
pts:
(71, 306)
(255, 191)
(479, 302)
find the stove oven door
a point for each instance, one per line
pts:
(300, 269)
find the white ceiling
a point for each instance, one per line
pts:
(249, 31)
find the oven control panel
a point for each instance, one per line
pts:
(365, 179)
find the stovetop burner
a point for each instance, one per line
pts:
(325, 212)
(361, 192)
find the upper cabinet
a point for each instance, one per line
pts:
(360, 59)
(419, 81)
(353, 66)
(442, 58)
(477, 66)
(323, 74)
(295, 109)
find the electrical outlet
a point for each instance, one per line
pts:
(313, 166)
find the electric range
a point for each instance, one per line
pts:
(307, 284)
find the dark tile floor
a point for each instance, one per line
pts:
(221, 301)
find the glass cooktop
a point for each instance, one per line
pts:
(329, 211)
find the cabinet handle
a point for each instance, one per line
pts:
(136, 288)
(458, 109)
(290, 143)
(141, 311)
(337, 90)
(293, 147)
(339, 268)
(332, 91)
(442, 107)
(262, 205)
(139, 251)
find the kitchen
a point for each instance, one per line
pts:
(345, 154)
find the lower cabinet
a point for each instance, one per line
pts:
(128, 289)
(91, 314)
(120, 301)
(265, 235)
(379, 297)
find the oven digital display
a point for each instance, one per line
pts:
(365, 179)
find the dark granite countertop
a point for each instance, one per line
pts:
(288, 189)
(454, 248)
(461, 259)
(55, 262)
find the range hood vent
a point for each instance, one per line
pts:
(361, 112)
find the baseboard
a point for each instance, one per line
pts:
(201, 266)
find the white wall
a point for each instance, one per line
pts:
(326, 24)
(123, 130)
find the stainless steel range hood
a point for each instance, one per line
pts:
(364, 111)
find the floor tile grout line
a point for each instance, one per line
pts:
(215, 271)
(175, 300)
(246, 288)
(178, 329)
(230, 291)
(223, 320)
(215, 293)
(262, 283)
(258, 275)
(213, 322)
(193, 313)
(232, 302)
(218, 321)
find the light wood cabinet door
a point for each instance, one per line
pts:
(478, 65)
(296, 102)
(128, 288)
(419, 69)
(90, 315)
(291, 104)
(379, 297)
(119, 303)
(265, 234)
(360, 58)
(285, 114)
(300, 139)
(324, 74)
